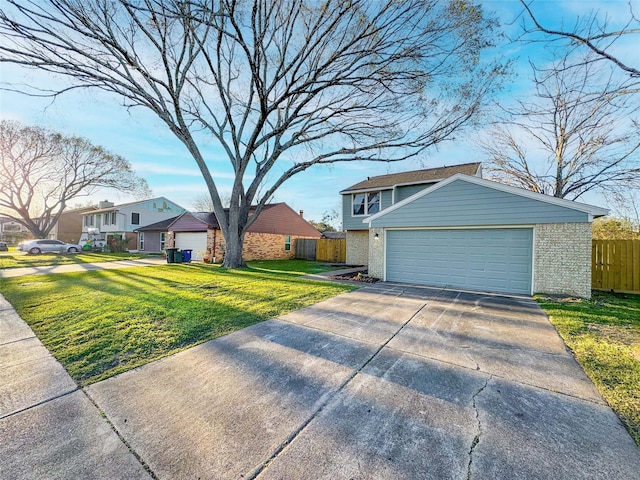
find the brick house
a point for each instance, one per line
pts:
(272, 235)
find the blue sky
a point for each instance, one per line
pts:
(170, 171)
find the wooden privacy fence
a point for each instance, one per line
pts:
(331, 250)
(322, 249)
(615, 265)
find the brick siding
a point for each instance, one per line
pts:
(562, 263)
(257, 246)
(376, 253)
(357, 247)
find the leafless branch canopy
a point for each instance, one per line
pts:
(280, 85)
(41, 171)
(577, 134)
(595, 35)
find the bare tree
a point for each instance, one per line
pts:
(594, 34)
(280, 85)
(576, 135)
(41, 171)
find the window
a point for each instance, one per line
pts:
(88, 221)
(113, 218)
(141, 240)
(162, 240)
(135, 219)
(366, 203)
(106, 218)
(287, 243)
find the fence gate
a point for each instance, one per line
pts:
(615, 265)
(306, 248)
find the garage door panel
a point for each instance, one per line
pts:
(196, 241)
(481, 259)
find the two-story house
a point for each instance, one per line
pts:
(110, 223)
(374, 194)
(12, 232)
(450, 228)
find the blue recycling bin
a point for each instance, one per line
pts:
(186, 256)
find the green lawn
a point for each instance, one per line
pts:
(101, 323)
(18, 259)
(604, 335)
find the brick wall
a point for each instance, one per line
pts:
(267, 246)
(562, 262)
(357, 247)
(376, 253)
(257, 246)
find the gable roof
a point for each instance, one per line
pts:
(116, 207)
(161, 226)
(429, 175)
(278, 218)
(592, 210)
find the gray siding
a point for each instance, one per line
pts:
(349, 222)
(151, 242)
(407, 191)
(461, 203)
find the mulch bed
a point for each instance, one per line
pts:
(356, 277)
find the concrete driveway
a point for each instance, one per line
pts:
(387, 382)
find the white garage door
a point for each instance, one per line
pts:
(196, 241)
(493, 260)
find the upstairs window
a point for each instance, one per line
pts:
(135, 219)
(113, 218)
(366, 203)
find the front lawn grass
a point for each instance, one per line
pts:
(101, 323)
(19, 259)
(604, 335)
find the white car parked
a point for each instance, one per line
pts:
(35, 247)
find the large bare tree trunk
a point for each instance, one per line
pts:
(279, 86)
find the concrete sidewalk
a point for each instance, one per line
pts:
(386, 382)
(81, 267)
(48, 427)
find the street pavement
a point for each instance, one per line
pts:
(386, 382)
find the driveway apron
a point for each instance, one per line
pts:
(386, 382)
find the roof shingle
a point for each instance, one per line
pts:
(428, 175)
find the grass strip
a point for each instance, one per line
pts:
(604, 335)
(101, 323)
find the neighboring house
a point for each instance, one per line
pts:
(12, 232)
(375, 194)
(69, 226)
(469, 233)
(119, 222)
(272, 235)
(335, 235)
(153, 238)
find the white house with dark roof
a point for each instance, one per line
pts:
(111, 221)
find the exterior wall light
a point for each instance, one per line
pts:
(376, 236)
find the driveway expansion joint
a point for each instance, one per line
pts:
(261, 468)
